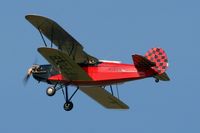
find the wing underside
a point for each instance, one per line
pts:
(104, 98)
(67, 67)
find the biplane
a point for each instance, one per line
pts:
(70, 65)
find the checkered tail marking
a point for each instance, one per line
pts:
(158, 56)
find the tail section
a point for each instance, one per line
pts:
(155, 59)
(159, 57)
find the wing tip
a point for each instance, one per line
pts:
(29, 16)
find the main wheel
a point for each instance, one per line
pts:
(50, 91)
(68, 106)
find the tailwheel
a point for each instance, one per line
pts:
(157, 80)
(51, 91)
(68, 106)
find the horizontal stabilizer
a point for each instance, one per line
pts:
(163, 77)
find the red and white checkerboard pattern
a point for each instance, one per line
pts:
(158, 56)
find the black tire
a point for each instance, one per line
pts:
(157, 80)
(68, 106)
(50, 91)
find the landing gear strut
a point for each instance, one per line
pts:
(68, 105)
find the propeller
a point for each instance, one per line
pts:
(31, 70)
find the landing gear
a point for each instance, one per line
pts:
(157, 80)
(51, 91)
(68, 106)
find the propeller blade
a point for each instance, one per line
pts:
(27, 76)
(31, 70)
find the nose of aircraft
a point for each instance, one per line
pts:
(40, 72)
(34, 68)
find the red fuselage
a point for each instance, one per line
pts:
(107, 73)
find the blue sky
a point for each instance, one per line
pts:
(108, 29)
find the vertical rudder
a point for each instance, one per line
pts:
(159, 57)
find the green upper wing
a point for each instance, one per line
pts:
(63, 40)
